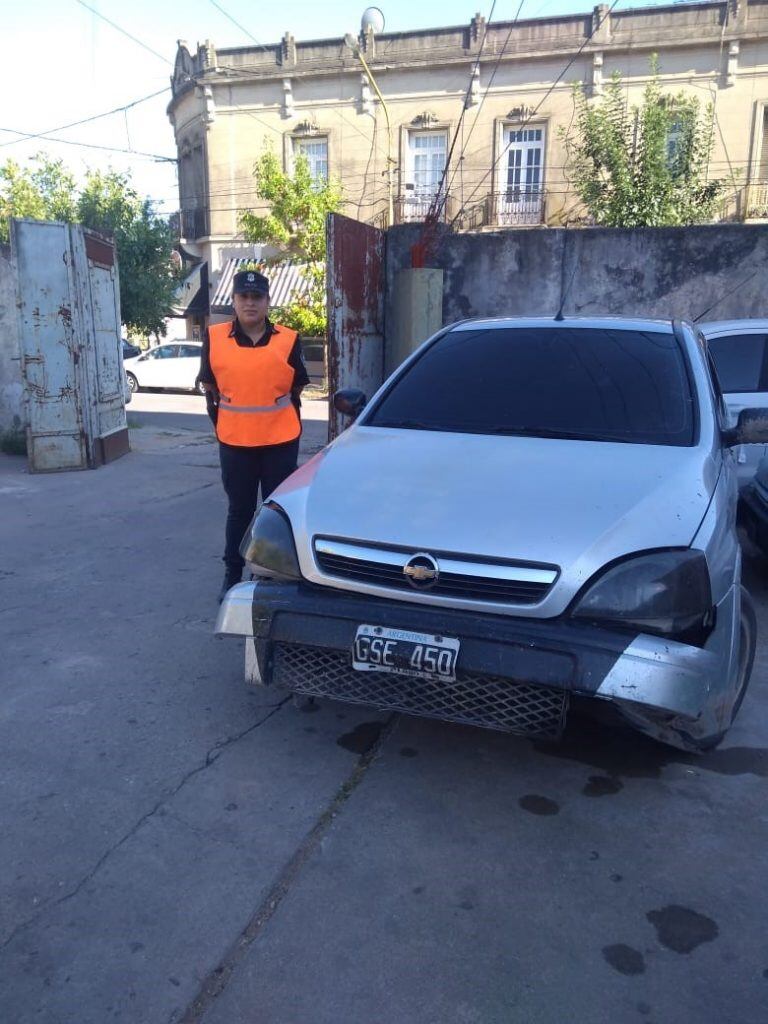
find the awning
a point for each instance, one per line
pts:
(191, 296)
(286, 284)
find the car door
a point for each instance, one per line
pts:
(189, 365)
(741, 360)
(165, 367)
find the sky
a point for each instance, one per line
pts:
(63, 62)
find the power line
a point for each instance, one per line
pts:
(485, 93)
(237, 23)
(436, 205)
(90, 145)
(123, 31)
(535, 111)
(85, 120)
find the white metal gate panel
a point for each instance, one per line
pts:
(57, 436)
(69, 320)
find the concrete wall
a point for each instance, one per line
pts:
(12, 415)
(664, 272)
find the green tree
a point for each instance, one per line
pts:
(45, 191)
(295, 227)
(643, 166)
(144, 243)
(106, 202)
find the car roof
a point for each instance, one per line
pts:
(734, 326)
(616, 323)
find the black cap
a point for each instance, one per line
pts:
(250, 281)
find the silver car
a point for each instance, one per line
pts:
(740, 352)
(528, 512)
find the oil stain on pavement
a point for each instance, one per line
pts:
(539, 805)
(624, 959)
(682, 929)
(362, 737)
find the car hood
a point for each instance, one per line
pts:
(573, 504)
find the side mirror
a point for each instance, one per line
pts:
(349, 402)
(751, 428)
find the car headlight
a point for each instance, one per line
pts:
(269, 546)
(667, 593)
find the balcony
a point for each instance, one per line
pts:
(757, 202)
(517, 208)
(195, 224)
(510, 209)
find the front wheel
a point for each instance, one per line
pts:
(200, 388)
(133, 384)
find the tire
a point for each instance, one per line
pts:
(199, 388)
(133, 384)
(747, 649)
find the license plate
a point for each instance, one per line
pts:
(424, 655)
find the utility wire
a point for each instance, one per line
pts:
(91, 145)
(535, 111)
(237, 23)
(85, 120)
(438, 201)
(484, 96)
(123, 31)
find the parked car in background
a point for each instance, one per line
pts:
(740, 352)
(172, 365)
(528, 510)
(129, 350)
(754, 507)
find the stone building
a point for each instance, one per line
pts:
(507, 167)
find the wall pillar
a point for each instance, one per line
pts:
(417, 313)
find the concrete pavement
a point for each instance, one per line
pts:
(179, 848)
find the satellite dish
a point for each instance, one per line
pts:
(373, 19)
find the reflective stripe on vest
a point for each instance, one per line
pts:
(255, 407)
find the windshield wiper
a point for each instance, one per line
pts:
(404, 425)
(564, 435)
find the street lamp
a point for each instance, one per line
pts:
(354, 46)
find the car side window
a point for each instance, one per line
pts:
(740, 361)
(717, 394)
(167, 351)
(189, 351)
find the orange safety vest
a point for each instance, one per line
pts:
(255, 407)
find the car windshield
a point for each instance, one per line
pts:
(586, 383)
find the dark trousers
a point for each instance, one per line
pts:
(242, 470)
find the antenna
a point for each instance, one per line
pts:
(725, 296)
(372, 18)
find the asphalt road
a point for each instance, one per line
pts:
(178, 848)
(172, 410)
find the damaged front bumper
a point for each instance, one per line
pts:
(674, 692)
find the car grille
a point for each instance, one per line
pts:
(459, 578)
(473, 699)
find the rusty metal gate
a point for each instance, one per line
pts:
(356, 271)
(71, 360)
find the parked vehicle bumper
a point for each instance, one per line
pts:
(672, 691)
(753, 513)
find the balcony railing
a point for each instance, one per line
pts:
(757, 202)
(195, 224)
(412, 207)
(519, 206)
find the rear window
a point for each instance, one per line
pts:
(739, 359)
(584, 383)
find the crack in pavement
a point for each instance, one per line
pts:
(217, 980)
(211, 757)
(181, 494)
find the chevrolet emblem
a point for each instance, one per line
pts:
(421, 571)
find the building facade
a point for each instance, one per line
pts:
(505, 166)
